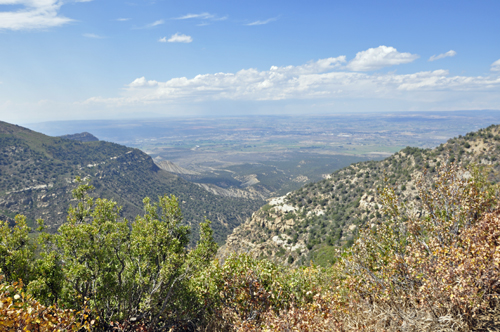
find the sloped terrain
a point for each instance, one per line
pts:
(82, 137)
(173, 168)
(311, 222)
(37, 173)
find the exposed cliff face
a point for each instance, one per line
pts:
(311, 222)
(266, 231)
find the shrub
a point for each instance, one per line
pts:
(19, 311)
(241, 289)
(432, 265)
(17, 250)
(137, 272)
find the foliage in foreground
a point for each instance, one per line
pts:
(433, 266)
(243, 290)
(137, 273)
(21, 312)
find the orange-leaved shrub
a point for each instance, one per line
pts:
(318, 315)
(433, 265)
(19, 311)
(240, 292)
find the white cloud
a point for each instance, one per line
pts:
(450, 53)
(223, 18)
(202, 16)
(141, 82)
(178, 38)
(92, 35)
(495, 66)
(123, 19)
(35, 14)
(324, 79)
(380, 57)
(163, 40)
(269, 20)
(151, 25)
(155, 23)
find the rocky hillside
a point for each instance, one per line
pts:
(173, 168)
(37, 173)
(248, 192)
(311, 222)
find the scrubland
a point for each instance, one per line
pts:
(433, 265)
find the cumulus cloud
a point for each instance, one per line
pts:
(177, 38)
(380, 57)
(141, 82)
(34, 14)
(323, 79)
(450, 53)
(495, 66)
(269, 20)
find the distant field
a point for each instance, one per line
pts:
(225, 149)
(365, 150)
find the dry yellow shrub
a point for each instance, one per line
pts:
(20, 312)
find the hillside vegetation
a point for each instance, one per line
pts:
(37, 175)
(82, 137)
(310, 223)
(431, 265)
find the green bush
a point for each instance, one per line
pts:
(242, 288)
(138, 271)
(17, 250)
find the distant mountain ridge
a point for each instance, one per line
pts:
(37, 173)
(311, 222)
(82, 137)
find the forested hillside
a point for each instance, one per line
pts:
(311, 222)
(37, 175)
(426, 255)
(427, 264)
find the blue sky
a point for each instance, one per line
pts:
(111, 59)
